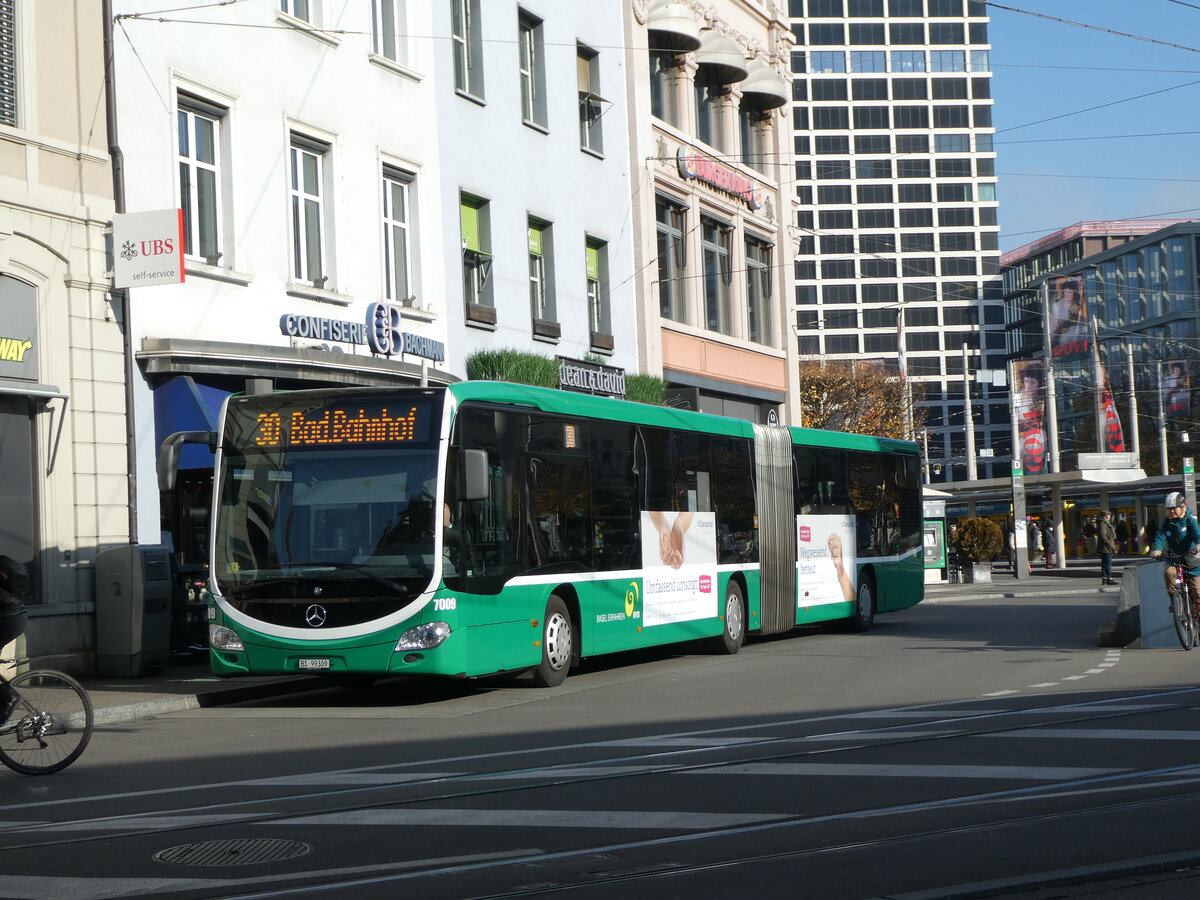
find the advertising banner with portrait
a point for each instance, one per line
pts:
(825, 559)
(679, 556)
(1029, 412)
(1067, 319)
(1177, 388)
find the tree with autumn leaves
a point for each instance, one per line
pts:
(857, 397)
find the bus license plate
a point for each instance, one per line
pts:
(314, 664)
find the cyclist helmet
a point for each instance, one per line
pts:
(1174, 499)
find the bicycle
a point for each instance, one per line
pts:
(1181, 607)
(49, 726)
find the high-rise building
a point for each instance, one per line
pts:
(896, 180)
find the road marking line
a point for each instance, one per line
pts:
(1046, 684)
(537, 818)
(1096, 671)
(897, 770)
(1107, 734)
(1000, 693)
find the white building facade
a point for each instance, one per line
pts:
(895, 175)
(535, 183)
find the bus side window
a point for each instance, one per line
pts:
(733, 499)
(491, 524)
(616, 514)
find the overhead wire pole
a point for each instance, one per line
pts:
(968, 417)
(1162, 421)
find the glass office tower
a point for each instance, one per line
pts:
(896, 180)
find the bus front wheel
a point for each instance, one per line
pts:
(558, 644)
(733, 635)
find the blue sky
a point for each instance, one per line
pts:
(1089, 165)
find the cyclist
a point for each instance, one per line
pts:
(1179, 534)
(14, 581)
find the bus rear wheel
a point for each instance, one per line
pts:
(558, 644)
(731, 638)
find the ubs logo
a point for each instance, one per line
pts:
(315, 616)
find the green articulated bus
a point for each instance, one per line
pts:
(487, 527)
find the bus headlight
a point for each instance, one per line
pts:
(222, 638)
(424, 637)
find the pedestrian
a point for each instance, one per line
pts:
(1010, 547)
(14, 583)
(1106, 542)
(1089, 536)
(1049, 541)
(1122, 534)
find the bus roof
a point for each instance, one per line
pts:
(590, 406)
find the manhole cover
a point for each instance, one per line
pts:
(234, 852)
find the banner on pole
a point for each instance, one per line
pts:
(1029, 410)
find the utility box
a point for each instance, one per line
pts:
(133, 609)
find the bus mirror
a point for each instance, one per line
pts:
(168, 454)
(475, 474)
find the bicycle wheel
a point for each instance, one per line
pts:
(1184, 626)
(50, 725)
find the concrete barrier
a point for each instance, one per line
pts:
(1143, 611)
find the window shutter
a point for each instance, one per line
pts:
(470, 227)
(8, 62)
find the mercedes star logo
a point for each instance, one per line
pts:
(315, 615)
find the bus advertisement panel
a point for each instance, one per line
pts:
(679, 560)
(825, 566)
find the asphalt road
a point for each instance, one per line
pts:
(984, 747)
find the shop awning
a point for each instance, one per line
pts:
(41, 392)
(672, 27)
(763, 89)
(180, 404)
(721, 58)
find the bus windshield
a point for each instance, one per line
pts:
(329, 499)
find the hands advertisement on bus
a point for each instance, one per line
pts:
(679, 556)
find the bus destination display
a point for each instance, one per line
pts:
(336, 426)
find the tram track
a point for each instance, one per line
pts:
(223, 814)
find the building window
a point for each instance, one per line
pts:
(841, 343)
(308, 176)
(866, 34)
(467, 37)
(709, 124)
(532, 71)
(300, 9)
(672, 260)
(541, 277)
(8, 62)
(870, 89)
(663, 103)
(908, 60)
(388, 33)
(906, 33)
(826, 34)
(830, 89)
(758, 291)
(952, 143)
(591, 104)
(951, 117)
(714, 242)
(910, 117)
(751, 130)
(909, 89)
(868, 61)
(873, 118)
(476, 234)
(199, 126)
(947, 61)
(599, 310)
(830, 118)
(912, 168)
(947, 33)
(396, 237)
(826, 61)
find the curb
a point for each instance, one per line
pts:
(119, 713)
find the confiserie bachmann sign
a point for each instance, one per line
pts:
(590, 378)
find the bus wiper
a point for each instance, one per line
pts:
(357, 567)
